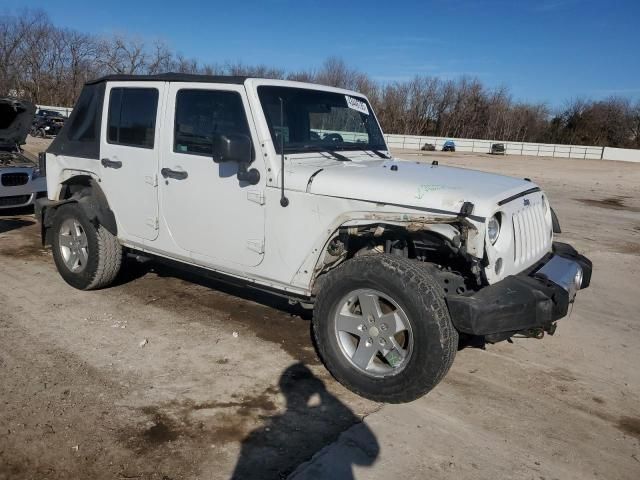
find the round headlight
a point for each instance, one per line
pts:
(493, 229)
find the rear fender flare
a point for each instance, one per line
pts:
(93, 203)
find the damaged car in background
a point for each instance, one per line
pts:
(21, 181)
(290, 188)
(47, 123)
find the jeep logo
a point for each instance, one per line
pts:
(526, 202)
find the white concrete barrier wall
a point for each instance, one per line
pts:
(415, 142)
(621, 154)
(62, 110)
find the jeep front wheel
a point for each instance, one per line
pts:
(383, 329)
(87, 255)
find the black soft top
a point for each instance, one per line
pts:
(171, 77)
(80, 136)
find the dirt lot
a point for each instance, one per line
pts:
(165, 376)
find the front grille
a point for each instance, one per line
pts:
(14, 179)
(14, 200)
(531, 233)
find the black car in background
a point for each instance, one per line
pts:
(47, 122)
(498, 149)
(449, 146)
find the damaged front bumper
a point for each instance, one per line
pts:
(528, 303)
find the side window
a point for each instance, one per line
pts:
(132, 116)
(87, 109)
(202, 113)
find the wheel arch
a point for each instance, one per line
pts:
(324, 258)
(85, 191)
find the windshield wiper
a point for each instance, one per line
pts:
(364, 149)
(309, 147)
(380, 154)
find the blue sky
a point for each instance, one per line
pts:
(545, 50)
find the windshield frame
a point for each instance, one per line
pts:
(372, 126)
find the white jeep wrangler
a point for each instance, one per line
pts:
(289, 187)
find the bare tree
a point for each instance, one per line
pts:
(122, 55)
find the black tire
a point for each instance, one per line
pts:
(104, 251)
(411, 286)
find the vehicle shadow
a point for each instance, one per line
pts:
(9, 224)
(313, 419)
(134, 270)
(471, 341)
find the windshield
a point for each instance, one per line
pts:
(314, 120)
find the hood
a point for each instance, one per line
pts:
(16, 117)
(406, 183)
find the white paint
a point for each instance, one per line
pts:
(212, 220)
(416, 184)
(132, 189)
(213, 195)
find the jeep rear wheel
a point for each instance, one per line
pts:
(383, 329)
(87, 255)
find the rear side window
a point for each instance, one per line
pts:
(202, 113)
(132, 116)
(83, 127)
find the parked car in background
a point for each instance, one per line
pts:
(20, 179)
(498, 149)
(47, 122)
(42, 112)
(428, 147)
(449, 146)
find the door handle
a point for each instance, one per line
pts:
(177, 174)
(106, 163)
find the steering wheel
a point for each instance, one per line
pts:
(334, 137)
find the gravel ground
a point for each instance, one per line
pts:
(167, 376)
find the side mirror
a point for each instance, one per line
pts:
(235, 147)
(231, 147)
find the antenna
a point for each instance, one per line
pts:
(284, 201)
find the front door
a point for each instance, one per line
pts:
(208, 211)
(129, 154)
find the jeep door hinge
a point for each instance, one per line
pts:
(151, 180)
(256, 197)
(256, 246)
(153, 223)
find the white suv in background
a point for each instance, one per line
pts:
(290, 188)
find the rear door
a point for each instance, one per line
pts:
(129, 155)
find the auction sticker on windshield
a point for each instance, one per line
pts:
(356, 104)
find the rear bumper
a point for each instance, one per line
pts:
(529, 302)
